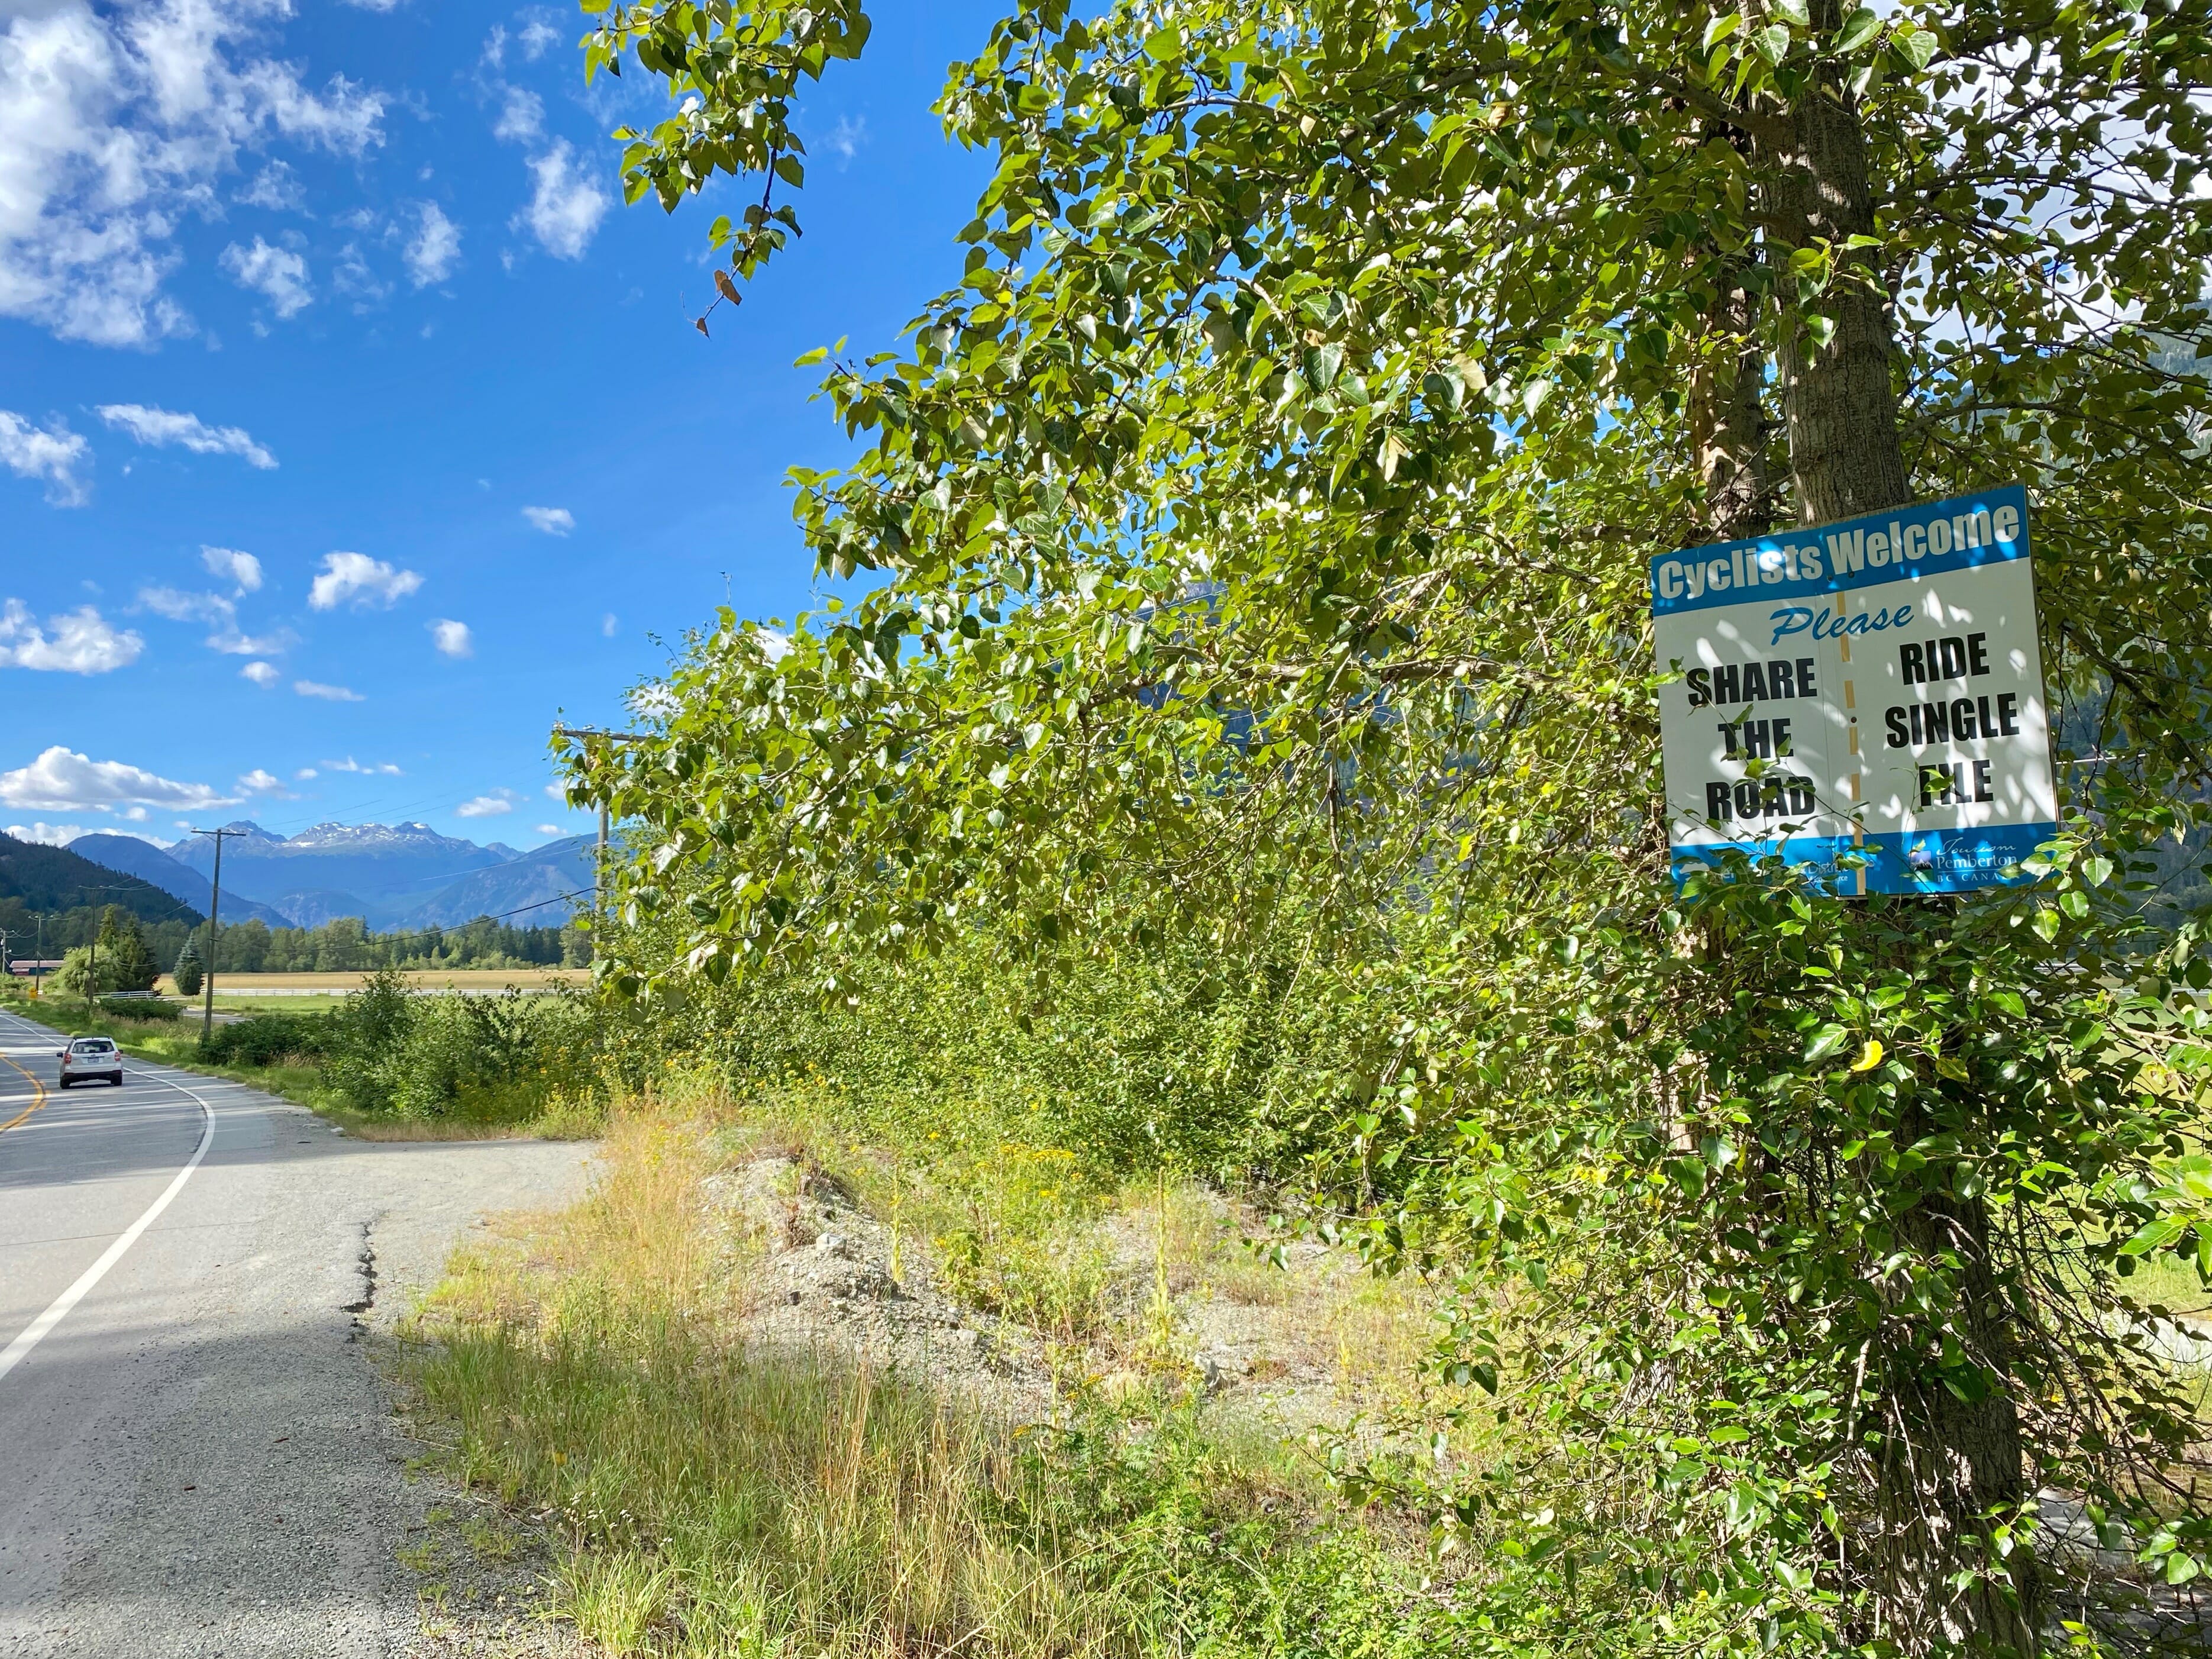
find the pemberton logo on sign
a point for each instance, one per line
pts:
(1871, 689)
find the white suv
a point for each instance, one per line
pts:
(91, 1057)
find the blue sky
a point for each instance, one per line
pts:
(351, 429)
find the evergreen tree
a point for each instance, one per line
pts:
(125, 964)
(187, 972)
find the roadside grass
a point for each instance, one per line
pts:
(719, 1500)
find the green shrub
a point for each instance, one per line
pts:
(488, 1060)
(140, 1008)
(265, 1039)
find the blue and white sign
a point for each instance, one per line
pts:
(1865, 698)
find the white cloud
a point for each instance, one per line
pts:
(306, 773)
(116, 122)
(486, 806)
(846, 138)
(57, 835)
(610, 625)
(275, 188)
(261, 783)
(436, 249)
(229, 562)
(220, 613)
(556, 790)
(277, 274)
(536, 36)
(521, 117)
(233, 643)
(161, 427)
(61, 835)
(263, 674)
(327, 693)
(565, 211)
(60, 780)
(553, 521)
(186, 607)
(360, 579)
(354, 279)
(547, 828)
(453, 638)
(53, 452)
(81, 641)
(350, 764)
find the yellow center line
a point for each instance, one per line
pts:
(38, 1087)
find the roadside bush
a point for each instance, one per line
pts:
(146, 1008)
(490, 1060)
(265, 1039)
(1128, 1061)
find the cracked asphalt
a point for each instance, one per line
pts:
(197, 1457)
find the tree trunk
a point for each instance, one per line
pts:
(1837, 399)
(1945, 1464)
(1727, 417)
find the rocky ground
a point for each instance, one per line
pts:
(1291, 1346)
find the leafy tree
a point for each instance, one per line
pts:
(1258, 534)
(187, 972)
(73, 977)
(245, 946)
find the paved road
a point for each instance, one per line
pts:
(196, 1456)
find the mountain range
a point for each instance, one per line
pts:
(392, 876)
(150, 864)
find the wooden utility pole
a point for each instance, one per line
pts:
(92, 963)
(214, 905)
(587, 734)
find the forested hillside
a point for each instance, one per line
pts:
(49, 895)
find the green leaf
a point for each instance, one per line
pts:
(2155, 1236)
(1794, 11)
(1773, 42)
(1916, 46)
(1828, 1040)
(1861, 26)
(1719, 29)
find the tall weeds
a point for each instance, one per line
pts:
(721, 1501)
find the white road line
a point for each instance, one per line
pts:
(19, 1350)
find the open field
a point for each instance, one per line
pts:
(425, 979)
